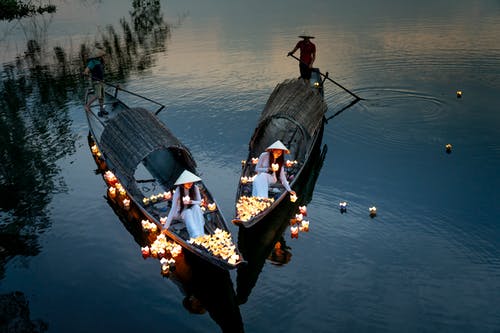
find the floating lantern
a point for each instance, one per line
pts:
(145, 251)
(167, 195)
(212, 207)
(304, 226)
(243, 163)
(255, 160)
(343, 207)
(275, 167)
(303, 210)
(294, 230)
(293, 197)
(299, 217)
(373, 211)
(186, 200)
(112, 192)
(448, 148)
(459, 94)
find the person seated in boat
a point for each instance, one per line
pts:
(271, 163)
(186, 205)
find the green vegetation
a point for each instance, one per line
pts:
(14, 9)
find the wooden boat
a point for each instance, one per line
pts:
(295, 115)
(143, 159)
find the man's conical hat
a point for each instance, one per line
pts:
(306, 34)
(278, 145)
(187, 177)
(97, 53)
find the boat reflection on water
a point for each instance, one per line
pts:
(266, 240)
(204, 287)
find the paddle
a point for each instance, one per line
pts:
(328, 78)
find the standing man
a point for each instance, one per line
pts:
(307, 55)
(95, 68)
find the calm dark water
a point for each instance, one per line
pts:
(429, 261)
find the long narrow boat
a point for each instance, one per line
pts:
(143, 159)
(295, 115)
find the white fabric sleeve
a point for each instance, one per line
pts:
(263, 164)
(174, 210)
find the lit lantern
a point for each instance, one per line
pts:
(448, 147)
(167, 195)
(94, 149)
(304, 226)
(163, 220)
(343, 206)
(243, 162)
(293, 197)
(275, 167)
(303, 210)
(299, 217)
(145, 201)
(459, 94)
(255, 160)
(289, 163)
(112, 192)
(186, 200)
(110, 177)
(145, 251)
(244, 180)
(212, 206)
(153, 198)
(373, 211)
(294, 230)
(165, 270)
(126, 203)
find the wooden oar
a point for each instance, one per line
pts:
(328, 78)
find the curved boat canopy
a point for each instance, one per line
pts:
(136, 136)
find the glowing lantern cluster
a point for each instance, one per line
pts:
(149, 226)
(298, 223)
(245, 179)
(219, 244)
(167, 265)
(95, 150)
(154, 198)
(249, 207)
(162, 247)
(110, 178)
(290, 164)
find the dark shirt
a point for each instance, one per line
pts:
(96, 67)
(306, 50)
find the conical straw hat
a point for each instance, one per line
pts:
(97, 53)
(306, 34)
(187, 177)
(278, 145)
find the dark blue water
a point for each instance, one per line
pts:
(429, 261)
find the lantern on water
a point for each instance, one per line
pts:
(303, 210)
(145, 251)
(304, 225)
(299, 217)
(373, 211)
(243, 162)
(294, 230)
(448, 147)
(343, 206)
